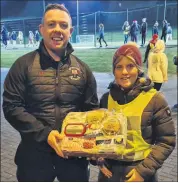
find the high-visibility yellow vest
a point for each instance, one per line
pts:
(136, 147)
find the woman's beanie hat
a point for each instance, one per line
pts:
(131, 51)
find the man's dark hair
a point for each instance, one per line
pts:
(57, 7)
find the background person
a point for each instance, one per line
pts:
(158, 65)
(164, 30)
(20, 37)
(169, 33)
(101, 35)
(31, 38)
(37, 38)
(126, 31)
(151, 131)
(155, 28)
(40, 89)
(134, 31)
(14, 39)
(4, 36)
(143, 31)
(150, 47)
(175, 61)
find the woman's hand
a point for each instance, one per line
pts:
(105, 171)
(134, 176)
(103, 168)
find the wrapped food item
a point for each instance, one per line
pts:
(97, 133)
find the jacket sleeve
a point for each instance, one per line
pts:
(163, 136)
(104, 100)
(164, 66)
(90, 96)
(14, 105)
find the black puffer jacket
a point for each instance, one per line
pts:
(157, 125)
(39, 92)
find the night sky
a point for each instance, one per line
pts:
(21, 8)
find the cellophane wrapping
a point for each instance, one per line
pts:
(97, 133)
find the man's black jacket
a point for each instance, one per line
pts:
(39, 92)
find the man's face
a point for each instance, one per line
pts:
(126, 73)
(56, 29)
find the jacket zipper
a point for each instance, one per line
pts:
(125, 100)
(56, 89)
(56, 82)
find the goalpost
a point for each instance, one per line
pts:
(85, 39)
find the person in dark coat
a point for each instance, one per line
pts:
(37, 37)
(134, 31)
(150, 47)
(150, 129)
(14, 39)
(155, 29)
(175, 61)
(164, 30)
(4, 35)
(40, 89)
(143, 31)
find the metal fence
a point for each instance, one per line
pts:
(113, 21)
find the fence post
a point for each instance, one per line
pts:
(77, 17)
(95, 30)
(24, 35)
(127, 15)
(157, 13)
(164, 9)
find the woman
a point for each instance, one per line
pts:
(169, 33)
(126, 31)
(31, 38)
(20, 37)
(155, 28)
(101, 35)
(150, 128)
(158, 65)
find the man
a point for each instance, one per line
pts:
(143, 31)
(39, 90)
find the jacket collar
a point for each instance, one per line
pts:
(47, 61)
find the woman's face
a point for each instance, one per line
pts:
(126, 72)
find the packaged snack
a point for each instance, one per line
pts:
(97, 133)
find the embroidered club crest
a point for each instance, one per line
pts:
(75, 73)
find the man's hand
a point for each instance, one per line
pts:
(54, 139)
(134, 176)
